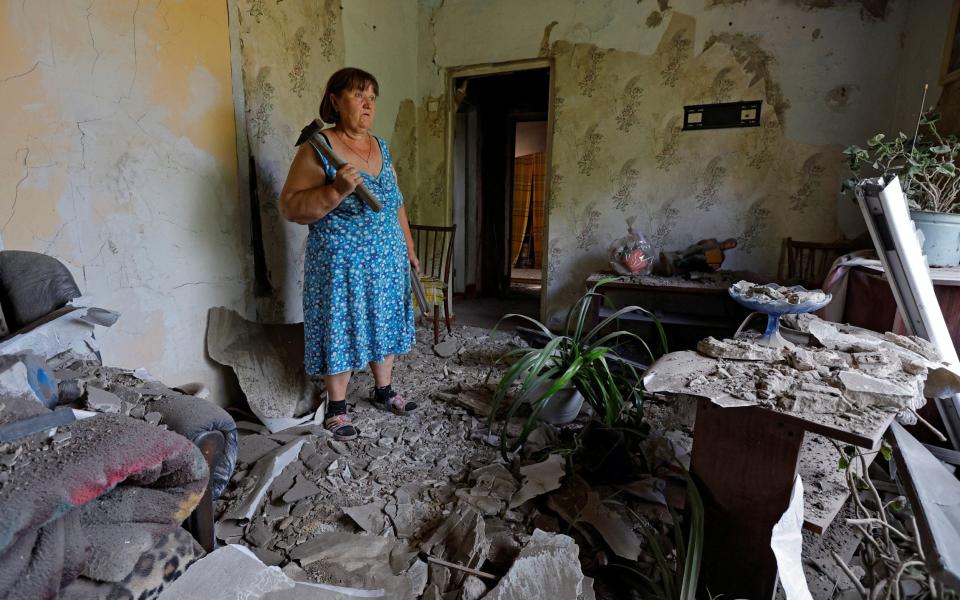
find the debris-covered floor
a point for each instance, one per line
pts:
(380, 512)
(368, 513)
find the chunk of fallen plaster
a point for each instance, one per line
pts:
(103, 401)
(612, 527)
(234, 571)
(262, 474)
(265, 359)
(547, 567)
(737, 350)
(251, 448)
(363, 561)
(304, 488)
(830, 337)
(368, 517)
(865, 390)
(447, 348)
(539, 478)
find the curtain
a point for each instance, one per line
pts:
(529, 173)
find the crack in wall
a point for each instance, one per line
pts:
(136, 63)
(16, 190)
(24, 74)
(93, 42)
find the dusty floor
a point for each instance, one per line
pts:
(405, 476)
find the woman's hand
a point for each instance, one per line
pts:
(347, 180)
(414, 263)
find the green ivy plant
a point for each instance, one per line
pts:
(927, 165)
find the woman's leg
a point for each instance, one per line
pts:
(383, 392)
(336, 385)
(382, 371)
(337, 420)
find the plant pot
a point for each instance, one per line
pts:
(562, 408)
(941, 237)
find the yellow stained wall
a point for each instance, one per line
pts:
(118, 156)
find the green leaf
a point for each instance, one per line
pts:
(941, 149)
(948, 169)
(886, 451)
(849, 450)
(875, 139)
(843, 463)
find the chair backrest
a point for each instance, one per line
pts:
(32, 285)
(808, 263)
(434, 247)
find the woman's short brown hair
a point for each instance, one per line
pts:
(349, 78)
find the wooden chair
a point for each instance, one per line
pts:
(434, 248)
(807, 263)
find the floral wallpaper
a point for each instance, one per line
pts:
(619, 131)
(287, 52)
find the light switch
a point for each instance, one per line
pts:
(748, 114)
(695, 117)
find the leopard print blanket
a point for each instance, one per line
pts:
(155, 569)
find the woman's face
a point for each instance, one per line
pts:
(356, 107)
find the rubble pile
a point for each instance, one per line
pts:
(424, 505)
(777, 293)
(846, 372)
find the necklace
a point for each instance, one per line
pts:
(352, 149)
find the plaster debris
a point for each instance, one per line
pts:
(539, 478)
(447, 348)
(773, 293)
(261, 476)
(268, 361)
(369, 517)
(856, 370)
(548, 567)
(737, 350)
(233, 572)
(615, 530)
(103, 401)
(303, 489)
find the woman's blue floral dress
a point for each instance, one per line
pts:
(357, 305)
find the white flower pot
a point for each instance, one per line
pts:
(562, 408)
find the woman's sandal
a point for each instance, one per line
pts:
(342, 428)
(396, 404)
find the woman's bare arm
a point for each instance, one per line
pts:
(408, 237)
(306, 197)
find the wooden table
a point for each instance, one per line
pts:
(689, 310)
(745, 460)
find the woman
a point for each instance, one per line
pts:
(357, 308)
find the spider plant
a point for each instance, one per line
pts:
(677, 581)
(586, 359)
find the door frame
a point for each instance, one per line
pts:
(500, 68)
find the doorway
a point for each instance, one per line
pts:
(499, 180)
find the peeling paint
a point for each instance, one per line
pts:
(120, 160)
(839, 98)
(545, 42)
(757, 62)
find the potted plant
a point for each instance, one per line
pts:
(578, 365)
(927, 167)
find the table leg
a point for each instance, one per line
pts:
(744, 462)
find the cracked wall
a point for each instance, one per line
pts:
(623, 71)
(119, 158)
(287, 51)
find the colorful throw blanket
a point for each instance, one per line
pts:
(90, 500)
